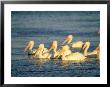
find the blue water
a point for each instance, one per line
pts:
(44, 27)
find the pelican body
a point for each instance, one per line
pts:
(74, 56)
(78, 44)
(42, 52)
(67, 55)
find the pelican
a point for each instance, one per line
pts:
(85, 48)
(82, 45)
(53, 46)
(67, 55)
(42, 52)
(29, 47)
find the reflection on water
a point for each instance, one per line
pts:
(55, 67)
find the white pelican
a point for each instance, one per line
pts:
(85, 48)
(56, 53)
(42, 52)
(53, 46)
(67, 55)
(68, 39)
(83, 45)
(29, 47)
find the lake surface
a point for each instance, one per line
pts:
(44, 27)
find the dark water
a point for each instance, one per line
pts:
(44, 27)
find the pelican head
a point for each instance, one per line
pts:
(86, 47)
(54, 43)
(30, 45)
(68, 39)
(53, 46)
(41, 46)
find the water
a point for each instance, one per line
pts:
(44, 27)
